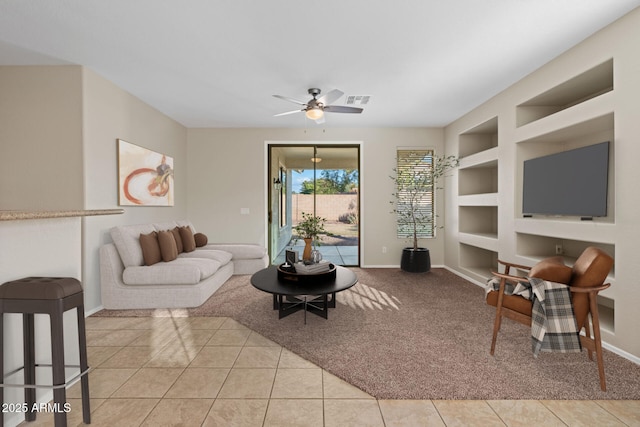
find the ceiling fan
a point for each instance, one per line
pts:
(316, 107)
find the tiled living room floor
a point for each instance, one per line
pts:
(213, 371)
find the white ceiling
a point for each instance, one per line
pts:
(217, 63)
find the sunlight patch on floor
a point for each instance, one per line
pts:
(365, 297)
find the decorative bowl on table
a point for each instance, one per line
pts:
(303, 275)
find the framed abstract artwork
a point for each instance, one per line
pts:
(145, 177)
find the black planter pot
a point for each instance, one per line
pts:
(415, 260)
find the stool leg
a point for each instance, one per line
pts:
(57, 362)
(84, 365)
(29, 364)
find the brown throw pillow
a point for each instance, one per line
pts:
(553, 270)
(168, 247)
(150, 248)
(178, 238)
(201, 239)
(188, 242)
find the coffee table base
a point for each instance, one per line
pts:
(318, 305)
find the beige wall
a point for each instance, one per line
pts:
(58, 132)
(620, 231)
(111, 113)
(228, 171)
(41, 138)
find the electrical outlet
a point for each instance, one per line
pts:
(559, 250)
(384, 249)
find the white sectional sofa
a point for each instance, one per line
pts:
(128, 282)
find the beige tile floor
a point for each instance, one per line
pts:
(215, 372)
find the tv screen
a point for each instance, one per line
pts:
(571, 183)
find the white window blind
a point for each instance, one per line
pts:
(415, 191)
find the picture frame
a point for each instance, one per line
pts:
(145, 177)
(291, 257)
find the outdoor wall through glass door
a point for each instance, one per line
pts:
(320, 180)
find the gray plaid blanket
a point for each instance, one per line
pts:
(553, 323)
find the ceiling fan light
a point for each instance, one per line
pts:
(314, 113)
(316, 159)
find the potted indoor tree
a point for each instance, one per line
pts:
(415, 185)
(309, 229)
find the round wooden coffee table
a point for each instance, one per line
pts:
(290, 297)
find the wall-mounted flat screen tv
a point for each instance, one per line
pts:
(571, 183)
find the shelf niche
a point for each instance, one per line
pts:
(588, 85)
(480, 138)
(606, 314)
(537, 247)
(477, 261)
(481, 179)
(583, 134)
(481, 220)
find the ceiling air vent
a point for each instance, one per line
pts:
(357, 99)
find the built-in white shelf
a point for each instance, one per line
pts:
(606, 313)
(478, 199)
(535, 246)
(575, 111)
(583, 119)
(485, 199)
(579, 90)
(480, 138)
(478, 180)
(591, 231)
(487, 158)
(488, 241)
(478, 262)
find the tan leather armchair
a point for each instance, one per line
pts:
(585, 280)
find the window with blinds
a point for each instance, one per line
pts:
(414, 193)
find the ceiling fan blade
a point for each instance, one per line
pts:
(330, 97)
(295, 101)
(288, 112)
(342, 109)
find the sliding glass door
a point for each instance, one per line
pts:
(321, 180)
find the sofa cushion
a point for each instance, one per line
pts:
(178, 239)
(149, 244)
(201, 240)
(181, 271)
(188, 241)
(168, 247)
(127, 240)
(222, 257)
(240, 250)
(185, 223)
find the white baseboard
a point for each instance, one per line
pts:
(397, 266)
(622, 353)
(93, 311)
(379, 266)
(465, 277)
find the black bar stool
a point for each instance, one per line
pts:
(52, 296)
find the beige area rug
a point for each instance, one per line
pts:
(399, 335)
